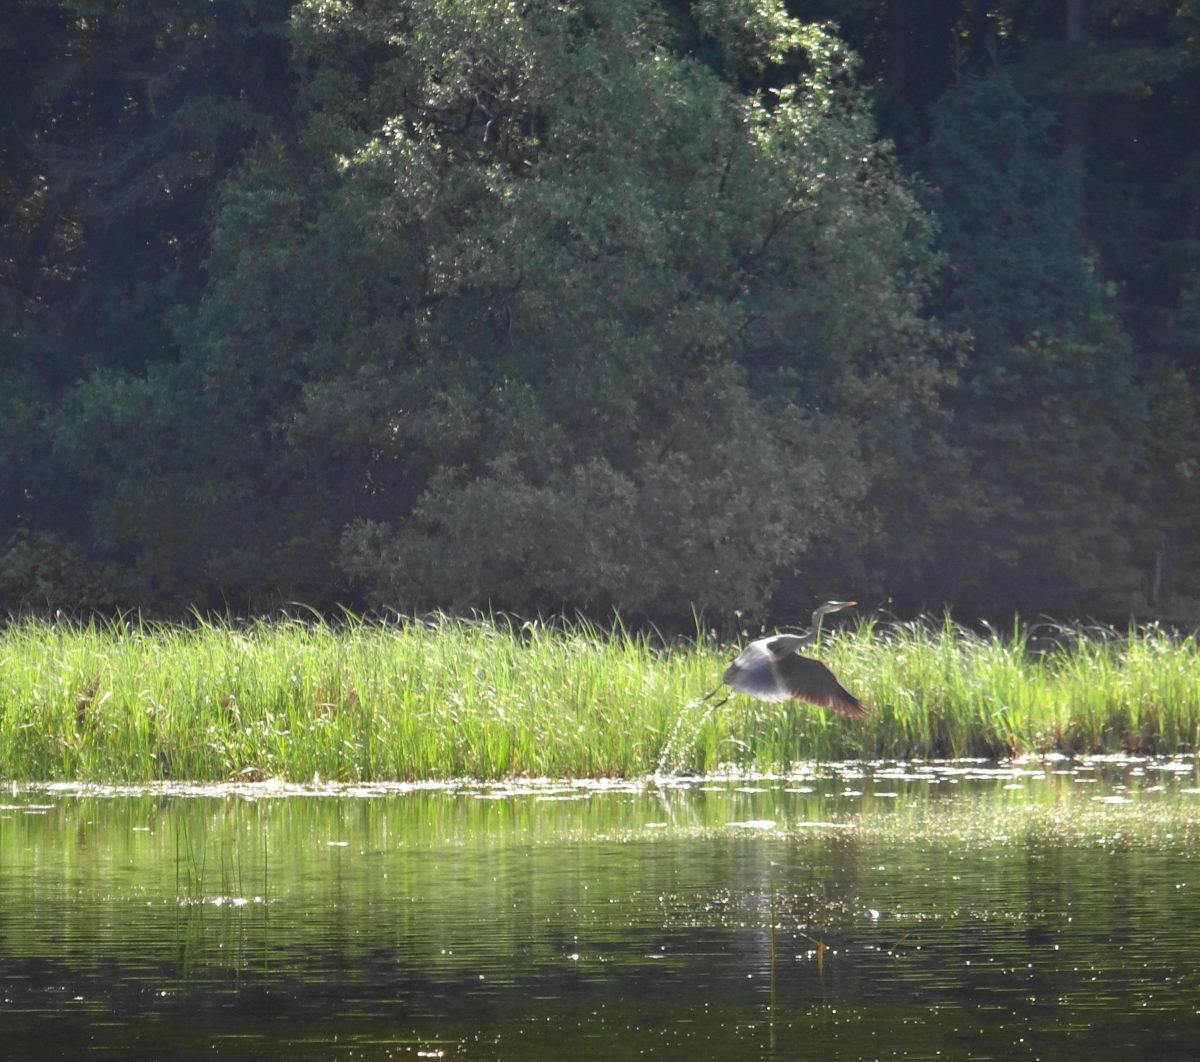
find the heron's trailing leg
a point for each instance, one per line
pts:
(713, 693)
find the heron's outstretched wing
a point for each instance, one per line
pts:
(810, 680)
(752, 672)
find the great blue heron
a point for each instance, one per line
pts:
(771, 670)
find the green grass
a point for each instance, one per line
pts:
(359, 700)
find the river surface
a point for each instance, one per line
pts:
(1039, 910)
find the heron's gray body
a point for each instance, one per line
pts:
(753, 671)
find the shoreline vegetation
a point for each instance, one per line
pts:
(441, 698)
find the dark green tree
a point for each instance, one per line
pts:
(600, 304)
(121, 119)
(1048, 415)
(534, 309)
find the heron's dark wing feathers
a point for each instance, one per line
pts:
(752, 672)
(810, 680)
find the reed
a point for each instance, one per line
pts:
(449, 698)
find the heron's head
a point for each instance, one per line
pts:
(835, 606)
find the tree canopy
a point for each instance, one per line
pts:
(596, 305)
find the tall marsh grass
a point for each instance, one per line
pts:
(448, 698)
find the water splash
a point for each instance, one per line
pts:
(665, 768)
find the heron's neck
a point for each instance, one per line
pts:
(815, 632)
(803, 640)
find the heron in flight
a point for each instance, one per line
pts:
(771, 670)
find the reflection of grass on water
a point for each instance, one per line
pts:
(486, 699)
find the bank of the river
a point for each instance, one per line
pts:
(453, 698)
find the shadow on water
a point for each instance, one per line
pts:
(965, 910)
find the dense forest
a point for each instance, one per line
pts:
(592, 304)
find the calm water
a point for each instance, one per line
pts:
(952, 911)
